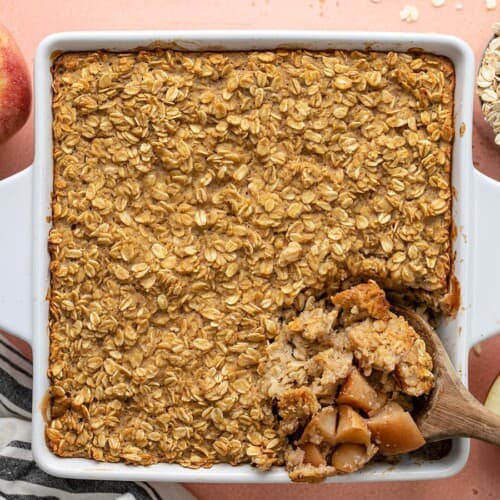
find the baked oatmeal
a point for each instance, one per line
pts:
(336, 374)
(201, 202)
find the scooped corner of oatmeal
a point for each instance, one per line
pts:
(343, 377)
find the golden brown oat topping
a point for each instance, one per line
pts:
(366, 300)
(198, 198)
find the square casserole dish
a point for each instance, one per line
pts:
(24, 259)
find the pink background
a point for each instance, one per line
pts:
(31, 20)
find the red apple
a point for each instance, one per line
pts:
(493, 398)
(15, 87)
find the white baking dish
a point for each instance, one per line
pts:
(25, 206)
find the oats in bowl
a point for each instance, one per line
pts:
(488, 86)
(200, 201)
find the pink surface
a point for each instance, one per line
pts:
(31, 20)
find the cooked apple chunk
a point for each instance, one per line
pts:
(394, 430)
(352, 427)
(313, 455)
(322, 427)
(357, 392)
(350, 457)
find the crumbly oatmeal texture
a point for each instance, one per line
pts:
(203, 199)
(315, 353)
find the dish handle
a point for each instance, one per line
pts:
(15, 254)
(485, 306)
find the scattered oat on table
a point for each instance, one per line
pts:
(409, 13)
(438, 3)
(491, 4)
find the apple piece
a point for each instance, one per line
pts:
(15, 87)
(357, 392)
(493, 398)
(313, 455)
(322, 427)
(352, 427)
(349, 457)
(394, 430)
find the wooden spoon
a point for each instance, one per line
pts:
(451, 410)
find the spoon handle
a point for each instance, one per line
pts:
(480, 423)
(452, 411)
(458, 413)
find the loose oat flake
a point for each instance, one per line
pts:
(409, 13)
(491, 4)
